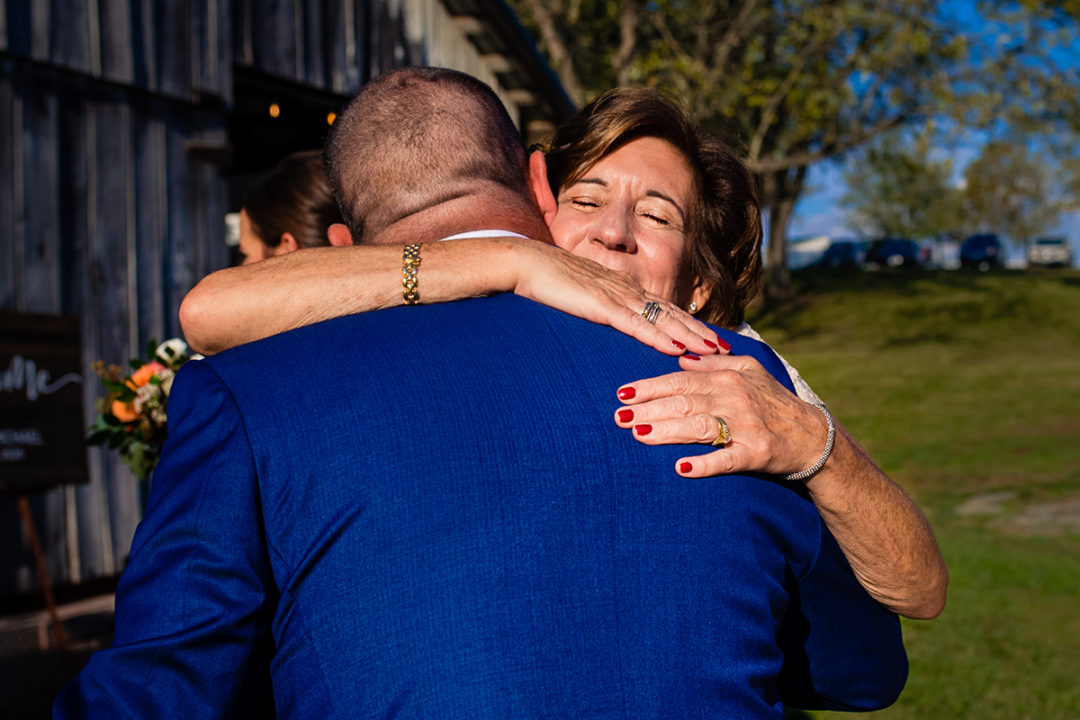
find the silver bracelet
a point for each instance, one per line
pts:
(809, 472)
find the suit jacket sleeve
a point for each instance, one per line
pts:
(193, 606)
(842, 649)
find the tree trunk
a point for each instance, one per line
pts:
(780, 193)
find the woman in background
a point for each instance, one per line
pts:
(289, 209)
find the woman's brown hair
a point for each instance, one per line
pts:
(295, 198)
(724, 232)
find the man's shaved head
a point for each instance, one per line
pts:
(417, 137)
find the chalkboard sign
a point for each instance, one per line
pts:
(41, 403)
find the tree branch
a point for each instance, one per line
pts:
(629, 20)
(808, 158)
(557, 49)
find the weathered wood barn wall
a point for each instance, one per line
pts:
(127, 128)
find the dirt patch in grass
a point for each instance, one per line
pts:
(1005, 513)
(1061, 517)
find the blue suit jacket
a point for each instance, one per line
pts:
(429, 512)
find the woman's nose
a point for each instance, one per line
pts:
(613, 230)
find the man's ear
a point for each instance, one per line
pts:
(287, 245)
(541, 190)
(339, 235)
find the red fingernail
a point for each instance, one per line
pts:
(723, 344)
(626, 416)
(627, 393)
(678, 344)
(685, 467)
(691, 356)
(710, 343)
(643, 429)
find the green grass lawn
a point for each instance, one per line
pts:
(965, 388)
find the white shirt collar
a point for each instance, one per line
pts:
(483, 234)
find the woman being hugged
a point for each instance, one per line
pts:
(291, 208)
(660, 220)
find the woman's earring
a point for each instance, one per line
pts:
(693, 307)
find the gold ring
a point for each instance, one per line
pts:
(724, 437)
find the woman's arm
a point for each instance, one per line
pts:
(882, 532)
(242, 304)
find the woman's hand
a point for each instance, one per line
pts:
(772, 430)
(882, 532)
(588, 290)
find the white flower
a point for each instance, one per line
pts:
(166, 376)
(172, 351)
(149, 401)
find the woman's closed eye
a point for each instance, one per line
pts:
(658, 218)
(584, 203)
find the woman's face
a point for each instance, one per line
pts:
(253, 248)
(629, 212)
(251, 245)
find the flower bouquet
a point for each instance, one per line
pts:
(131, 418)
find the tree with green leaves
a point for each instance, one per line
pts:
(799, 82)
(894, 189)
(1010, 191)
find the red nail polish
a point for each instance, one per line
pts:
(685, 467)
(710, 343)
(723, 344)
(627, 393)
(643, 429)
(626, 416)
(691, 356)
(678, 344)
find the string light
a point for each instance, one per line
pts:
(275, 110)
(330, 118)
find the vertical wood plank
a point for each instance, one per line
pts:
(117, 40)
(19, 24)
(172, 46)
(108, 253)
(243, 42)
(143, 56)
(274, 45)
(69, 40)
(149, 192)
(182, 271)
(7, 170)
(96, 542)
(40, 22)
(314, 47)
(39, 170)
(3, 25)
(223, 50)
(83, 504)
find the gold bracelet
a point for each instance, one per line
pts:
(410, 264)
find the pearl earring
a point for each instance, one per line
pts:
(693, 307)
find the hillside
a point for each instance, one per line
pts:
(965, 388)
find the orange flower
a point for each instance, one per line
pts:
(124, 412)
(142, 376)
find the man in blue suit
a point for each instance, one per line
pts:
(427, 511)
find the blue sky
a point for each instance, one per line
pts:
(819, 211)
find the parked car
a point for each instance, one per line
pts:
(1050, 251)
(843, 255)
(892, 252)
(982, 251)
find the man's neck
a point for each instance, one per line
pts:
(498, 209)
